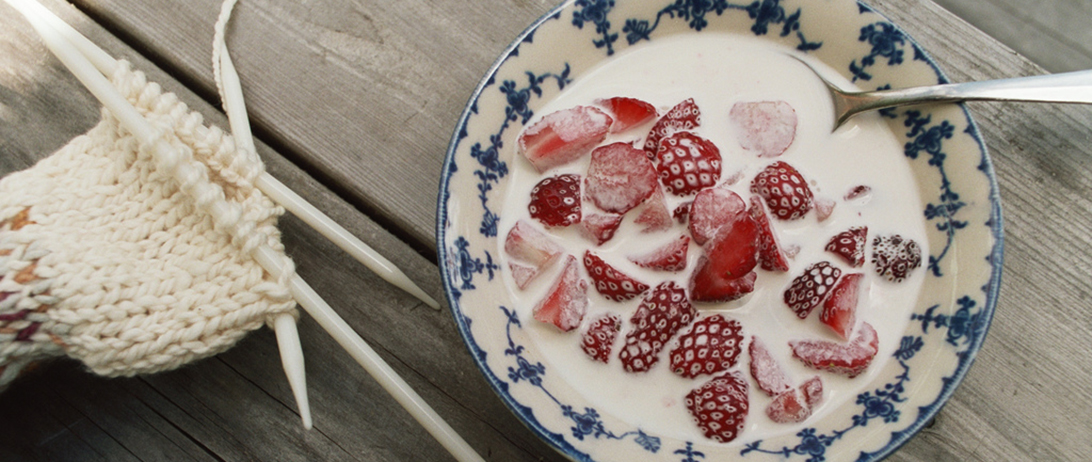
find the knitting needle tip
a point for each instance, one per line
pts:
(288, 340)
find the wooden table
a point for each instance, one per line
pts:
(354, 105)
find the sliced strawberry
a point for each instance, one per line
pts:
(895, 256)
(786, 192)
(563, 136)
(682, 212)
(628, 112)
(652, 214)
(849, 359)
(813, 391)
(522, 274)
(770, 256)
(598, 227)
(860, 191)
(619, 177)
(765, 128)
(611, 283)
(687, 163)
(734, 250)
(850, 245)
(684, 116)
(824, 207)
(808, 290)
(789, 407)
(708, 285)
(766, 371)
(566, 301)
(661, 314)
(720, 406)
(531, 246)
(712, 209)
(671, 257)
(598, 340)
(840, 308)
(555, 201)
(710, 346)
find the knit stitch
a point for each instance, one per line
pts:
(105, 259)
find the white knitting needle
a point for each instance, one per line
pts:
(269, 185)
(172, 160)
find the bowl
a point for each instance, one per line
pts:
(926, 347)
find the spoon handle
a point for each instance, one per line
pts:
(1069, 87)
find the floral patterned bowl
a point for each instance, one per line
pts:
(942, 146)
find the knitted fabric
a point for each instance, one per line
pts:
(104, 259)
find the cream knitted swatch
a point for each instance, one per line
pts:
(104, 259)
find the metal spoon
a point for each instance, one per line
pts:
(1069, 87)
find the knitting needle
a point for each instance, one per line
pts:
(265, 182)
(221, 211)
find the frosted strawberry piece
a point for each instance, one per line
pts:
(808, 290)
(567, 300)
(720, 406)
(861, 191)
(711, 346)
(789, 407)
(619, 177)
(712, 209)
(687, 163)
(682, 212)
(611, 283)
(770, 256)
(652, 214)
(850, 245)
(671, 257)
(824, 207)
(840, 308)
(708, 285)
(849, 359)
(786, 192)
(527, 244)
(563, 136)
(766, 371)
(522, 274)
(599, 228)
(765, 128)
(813, 391)
(598, 340)
(895, 256)
(684, 116)
(628, 112)
(661, 314)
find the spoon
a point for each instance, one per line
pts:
(1069, 87)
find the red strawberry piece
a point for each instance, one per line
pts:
(566, 301)
(708, 285)
(628, 112)
(808, 290)
(611, 283)
(687, 163)
(719, 407)
(555, 201)
(860, 191)
(734, 250)
(598, 227)
(529, 245)
(671, 257)
(850, 245)
(813, 391)
(619, 177)
(765, 128)
(784, 189)
(522, 274)
(682, 212)
(684, 116)
(712, 209)
(849, 359)
(895, 256)
(661, 314)
(599, 338)
(840, 308)
(789, 407)
(766, 371)
(770, 256)
(653, 214)
(824, 207)
(563, 136)
(710, 346)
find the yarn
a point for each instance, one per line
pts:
(106, 258)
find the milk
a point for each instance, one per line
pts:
(718, 70)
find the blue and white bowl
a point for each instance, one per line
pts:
(946, 154)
